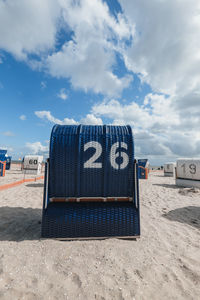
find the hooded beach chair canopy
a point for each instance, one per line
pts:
(169, 169)
(91, 187)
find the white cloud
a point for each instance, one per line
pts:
(48, 116)
(151, 113)
(37, 148)
(28, 27)
(165, 47)
(22, 117)
(90, 119)
(87, 59)
(158, 128)
(62, 94)
(163, 41)
(8, 133)
(9, 149)
(165, 54)
(1, 57)
(43, 85)
(88, 67)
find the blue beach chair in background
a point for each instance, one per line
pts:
(143, 168)
(3, 155)
(8, 162)
(2, 162)
(2, 168)
(91, 183)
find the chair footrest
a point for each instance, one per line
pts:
(90, 220)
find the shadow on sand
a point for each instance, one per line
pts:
(188, 214)
(35, 185)
(170, 186)
(14, 172)
(19, 224)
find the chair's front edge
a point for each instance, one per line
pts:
(45, 194)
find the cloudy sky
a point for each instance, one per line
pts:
(101, 62)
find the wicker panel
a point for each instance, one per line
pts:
(84, 220)
(110, 174)
(67, 175)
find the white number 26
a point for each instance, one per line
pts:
(114, 154)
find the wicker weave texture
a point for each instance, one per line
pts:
(73, 174)
(83, 220)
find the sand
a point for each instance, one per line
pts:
(163, 264)
(16, 174)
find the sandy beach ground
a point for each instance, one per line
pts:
(163, 264)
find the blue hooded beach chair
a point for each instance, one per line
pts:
(2, 162)
(142, 168)
(3, 155)
(91, 183)
(8, 162)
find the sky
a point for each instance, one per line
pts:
(101, 62)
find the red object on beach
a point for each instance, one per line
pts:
(2, 168)
(12, 184)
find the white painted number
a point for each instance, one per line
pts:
(90, 163)
(193, 168)
(183, 166)
(114, 154)
(31, 161)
